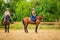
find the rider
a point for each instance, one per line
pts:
(33, 16)
(7, 13)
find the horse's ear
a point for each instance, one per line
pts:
(41, 15)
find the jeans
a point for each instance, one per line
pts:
(5, 17)
(33, 18)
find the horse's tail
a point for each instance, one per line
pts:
(23, 22)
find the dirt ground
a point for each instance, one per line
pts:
(21, 35)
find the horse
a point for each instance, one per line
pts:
(6, 23)
(27, 21)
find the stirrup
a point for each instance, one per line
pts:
(12, 22)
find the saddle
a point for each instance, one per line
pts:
(33, 21)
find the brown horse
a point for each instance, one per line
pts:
(6, 23)
(27, 21)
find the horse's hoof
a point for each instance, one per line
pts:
(5, 31)
(8, 32)
(26, 32)
(36, 32)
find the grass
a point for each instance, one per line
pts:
(19, 26)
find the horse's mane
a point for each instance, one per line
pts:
(39, 17)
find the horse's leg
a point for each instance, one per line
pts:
(25, 27)
(8, 28)
(5, 28)
(36, 28)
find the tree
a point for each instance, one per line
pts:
(23, 9)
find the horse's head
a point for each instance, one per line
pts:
(6, 19)
(40, 17)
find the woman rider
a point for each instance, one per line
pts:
(33, 16)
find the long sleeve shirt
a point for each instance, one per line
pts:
(7, 13)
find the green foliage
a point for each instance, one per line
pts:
(22, 8)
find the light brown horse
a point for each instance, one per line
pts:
(27, 21)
